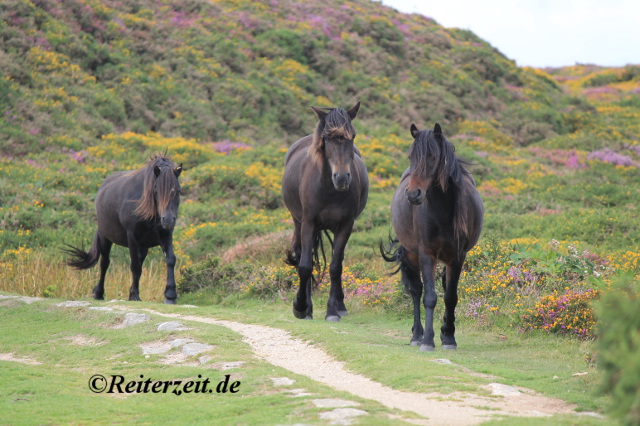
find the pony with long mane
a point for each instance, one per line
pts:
(437, 215)
(135, 209)
(325, 187)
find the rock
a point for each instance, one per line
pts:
(282, 381)
(502, 390)
(172, 326)
(191, 349)
(132, 319)
(180, 342)
(298, 392)
(229, 365)
(342, 416)
(333, 403)
(442, 361)
(73, 304)
(154, 348)
(25, 299)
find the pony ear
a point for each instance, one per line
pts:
(321, 114)
(437, 130)
(354, 110)
(414, 131)
(156, 170)
(178, 170)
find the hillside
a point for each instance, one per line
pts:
(90, 87)
(248, 71)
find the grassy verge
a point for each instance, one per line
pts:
(377, 345)
(56, 390)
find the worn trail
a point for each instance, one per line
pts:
(279, 348)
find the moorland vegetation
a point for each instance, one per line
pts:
(90, 87)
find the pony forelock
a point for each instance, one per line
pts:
(337, 123)
(151, 204)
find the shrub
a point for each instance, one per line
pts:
(212, 274)
(618, 315)
(567, 313)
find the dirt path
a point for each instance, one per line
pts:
(279, 348)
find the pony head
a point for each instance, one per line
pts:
(161, 192)
(432, 160)
(333, 143)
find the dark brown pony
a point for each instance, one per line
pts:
(437, 215)
(138, 210)
(325, 187)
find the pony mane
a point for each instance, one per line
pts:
(451, 173)
(149, 204)
(337, 123)
(449, 168)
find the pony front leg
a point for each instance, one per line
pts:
(448, 329)
(427, 264)
(335, 305)
(170, 292)
(412, 282)
(302, 305)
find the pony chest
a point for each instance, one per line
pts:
(333, 211)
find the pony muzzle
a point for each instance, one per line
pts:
(341, 181)
(414, 196)
(168, 221)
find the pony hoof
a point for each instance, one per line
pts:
(427, 348)
(343, 313)
(169, 301)
(332, 318)
(302, 315)
(450, 347)
(415, 342)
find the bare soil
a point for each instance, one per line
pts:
(279, 348)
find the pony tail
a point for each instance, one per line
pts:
(393, 253)
(293, 258)
(80, 259)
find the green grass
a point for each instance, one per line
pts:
(368, 343)
(57, 391)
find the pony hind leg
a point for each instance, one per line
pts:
(136, 267)
(104, 248)
(293, 254)
(413, 285)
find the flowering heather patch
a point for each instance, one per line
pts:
(566, 313)
(226, 146)
(608, 155)
(536, 287)
(570, 159)
(633, 148)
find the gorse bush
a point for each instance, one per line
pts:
(618, 314)
(534, 286)
(566, 313)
